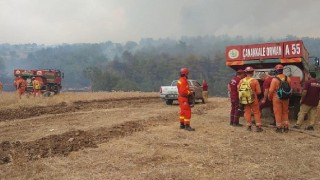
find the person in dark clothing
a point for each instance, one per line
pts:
(309, 102)
(234, 98)
(205, 91)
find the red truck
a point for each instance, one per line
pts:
(263, 57)
(51, 79)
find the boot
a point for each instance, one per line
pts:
(237, 125)
(279, 130)
(249, 128)
(296, 126)
(286, 129)
(310, 128)
(188, 128)
(259, 129)
(182, 126)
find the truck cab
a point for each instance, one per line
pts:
(170, 93)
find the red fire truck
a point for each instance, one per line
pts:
(51, 79)
(263, 57)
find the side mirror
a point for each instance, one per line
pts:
(317, 61)
(62, 75)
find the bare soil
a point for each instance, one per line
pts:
(138, 137)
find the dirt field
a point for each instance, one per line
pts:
(136, 136)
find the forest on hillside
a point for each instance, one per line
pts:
(134, 66)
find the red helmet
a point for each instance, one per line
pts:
(249, 69)
(278, 67)
(184, 71)
(240, 71)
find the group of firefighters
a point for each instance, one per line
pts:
(21, 86)
(271, 83)
(279, 107)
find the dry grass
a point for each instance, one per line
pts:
(214, 151)
(11, 100)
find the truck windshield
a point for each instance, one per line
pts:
(174, 83)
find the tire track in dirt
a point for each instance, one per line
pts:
(28, 112)
(64, 144)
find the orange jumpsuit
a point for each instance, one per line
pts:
(184, 91)
(37, 90)
(280, 107)
(21, 86)
(253, 107)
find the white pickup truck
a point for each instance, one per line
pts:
(170, 93)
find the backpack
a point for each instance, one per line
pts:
(37, 85)
(246, 95)
(284, 92)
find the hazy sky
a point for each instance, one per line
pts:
(89, 21)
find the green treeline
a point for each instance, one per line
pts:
(135, 66)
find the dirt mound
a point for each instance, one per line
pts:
(27, 112)
(64, 144)
(54, 145)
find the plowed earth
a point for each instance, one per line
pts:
(139, 138)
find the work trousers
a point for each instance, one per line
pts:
(234, 113)
(255, 109)
(37, 91)
(21, 91)
(205, 96)
(312, 114)
(281, 110)
(185, 110)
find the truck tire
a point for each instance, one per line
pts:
(169, 101)
(192, 100)
(46, 94)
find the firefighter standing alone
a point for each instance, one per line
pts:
(184, 92)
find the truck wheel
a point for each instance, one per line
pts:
(169, 101)
(46, 94)
(192, 101)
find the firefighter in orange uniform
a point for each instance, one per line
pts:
(280, 107)
(36, 84)
(21, 85)
(253, 107)
(184, 92)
